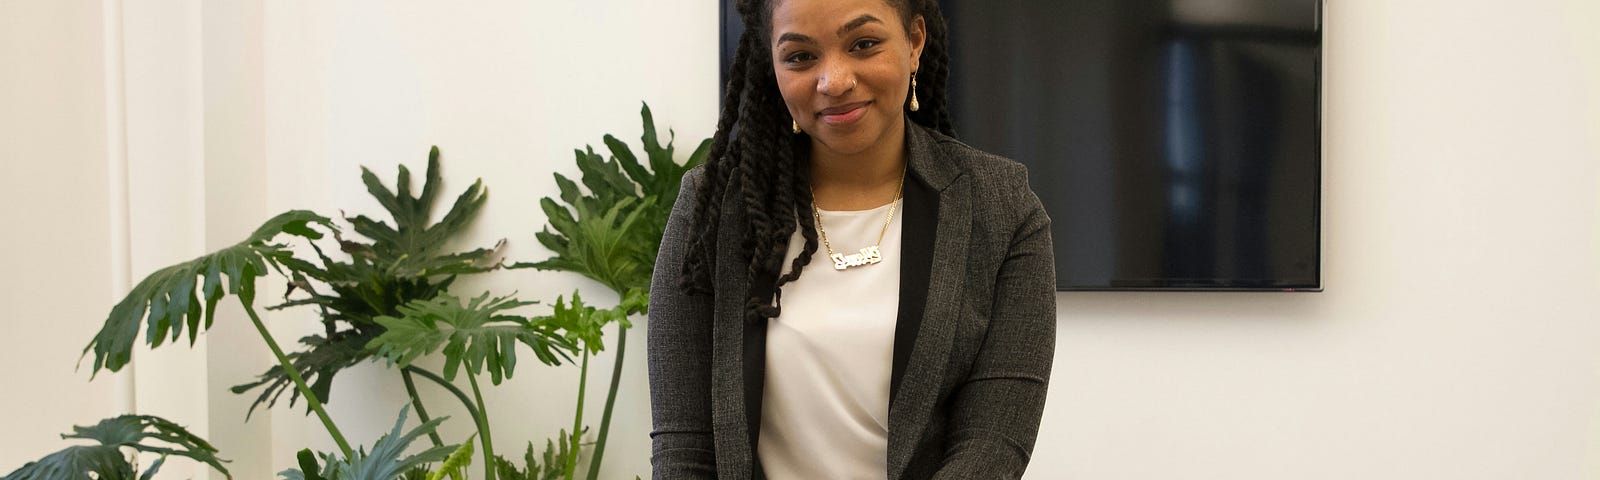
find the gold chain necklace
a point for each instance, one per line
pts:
(869, 255)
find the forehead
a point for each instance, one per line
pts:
(824, 16)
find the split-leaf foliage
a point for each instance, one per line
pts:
(478, 336)
(395, 264)
(550, 466)
(611, 234)
(105, 461)
(386, 296)
(170, 296)
(385, 462)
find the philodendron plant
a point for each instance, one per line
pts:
(388, 267)
(611, 234)
(386, 295)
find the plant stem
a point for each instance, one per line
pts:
(465, 401)
(416, 401)
(611, 401)
(294, 374)
(483, 429)
(577, 418)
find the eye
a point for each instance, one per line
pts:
(866, 43)
(798, 57)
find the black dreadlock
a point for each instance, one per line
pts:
(758, 165)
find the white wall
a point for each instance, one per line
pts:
(55, 222)
(161, 47)
(1456, 338)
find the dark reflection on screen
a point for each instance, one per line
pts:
(1175, 143)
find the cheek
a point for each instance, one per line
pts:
(887, 73)
(889, 79)
(794, 89)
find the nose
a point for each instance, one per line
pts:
(836, 79)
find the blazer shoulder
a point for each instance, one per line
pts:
(689, 186)
(691, 178)
(996, 178)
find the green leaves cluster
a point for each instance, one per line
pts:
(170, 297)
(386, 266)
(550, 466)
(477, 335)
(396, 264)
(412, 248)
(386, 295)
(105, 460)
(583, 325)
(385, 462)
(612, 233)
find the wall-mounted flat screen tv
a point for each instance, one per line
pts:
(1175, 143)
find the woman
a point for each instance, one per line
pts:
(920, 345)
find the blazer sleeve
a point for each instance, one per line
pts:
(679, 354)
(995, 413)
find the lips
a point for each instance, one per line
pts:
(842, 114)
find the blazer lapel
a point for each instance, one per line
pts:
(919, 220)
(938, 208)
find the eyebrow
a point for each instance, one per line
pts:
(794, 37)
(857, 23)
(848, 26)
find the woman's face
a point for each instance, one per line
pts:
(844, 69)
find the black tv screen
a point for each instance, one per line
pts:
(1175, 143)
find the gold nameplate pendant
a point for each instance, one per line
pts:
(868, 256)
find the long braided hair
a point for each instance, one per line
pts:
(757, 164)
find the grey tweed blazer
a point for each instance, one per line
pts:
(973, 343)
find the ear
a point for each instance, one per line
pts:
(919, 39)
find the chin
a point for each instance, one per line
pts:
(845, 144)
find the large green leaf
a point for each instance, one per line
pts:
(169, 295)
(399, 261)
(384, 463)
(412, 247)
(600, 244)
(105, 460)
(477, 336)
(665, 175)
(612, 233)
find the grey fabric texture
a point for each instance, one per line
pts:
(973, 392)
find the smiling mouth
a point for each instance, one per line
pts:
(844, 113)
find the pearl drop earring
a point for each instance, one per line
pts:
(914, 105)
